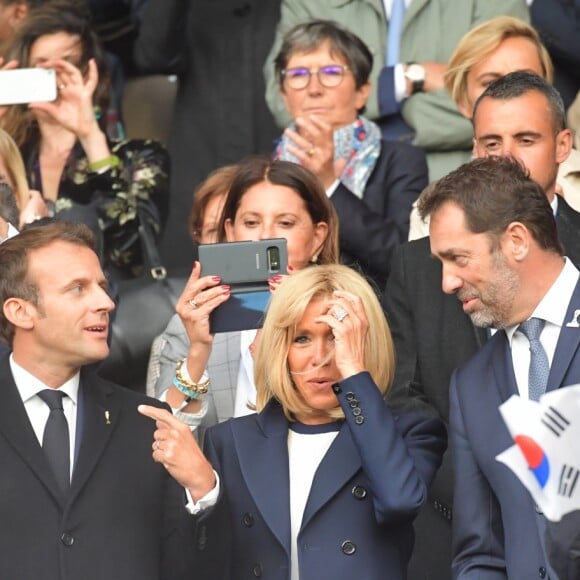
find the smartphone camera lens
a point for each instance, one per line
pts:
(273, 259)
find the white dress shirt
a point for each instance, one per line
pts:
(552, 308)
(29, 386)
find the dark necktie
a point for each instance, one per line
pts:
(539, 365)
(55, 441)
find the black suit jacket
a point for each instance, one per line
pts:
(372, 227)
(563, 546)
(217, 49)
(432, 337)
(123, 517)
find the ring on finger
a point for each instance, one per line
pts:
(311, 151)
(340, 314)
(61, 86)
(193, 304)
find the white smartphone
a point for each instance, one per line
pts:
(27, 85)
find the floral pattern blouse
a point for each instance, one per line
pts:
(107, 202)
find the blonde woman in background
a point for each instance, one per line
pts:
(492, 50)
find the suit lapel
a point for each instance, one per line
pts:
(100, 417)
(263, 456)
(567, 345)
(503, 368)
(338, 466)
(17, 429)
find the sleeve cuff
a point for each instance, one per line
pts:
(207, 501)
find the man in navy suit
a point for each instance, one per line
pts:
(432, 334)
(495, 235)
(99, 506)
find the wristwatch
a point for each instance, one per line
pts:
(415, 73)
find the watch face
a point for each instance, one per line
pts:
(415, 72)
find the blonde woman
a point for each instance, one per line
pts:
(325, 480)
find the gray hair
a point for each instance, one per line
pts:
(308, 36)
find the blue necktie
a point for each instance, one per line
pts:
(55, 440)
(539, 365)
(395, 29)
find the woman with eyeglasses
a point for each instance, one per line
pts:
(323, 73)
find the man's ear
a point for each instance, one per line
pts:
(563, 145)
(20, 312)
(516, 241)
(19, 13)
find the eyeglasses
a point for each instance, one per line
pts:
(328, 76)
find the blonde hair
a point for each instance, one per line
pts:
(479, 43)
(10, 155)
(286, 309)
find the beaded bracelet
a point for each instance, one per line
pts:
(189, 388)
(109, 162)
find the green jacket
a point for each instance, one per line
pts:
(432, 29)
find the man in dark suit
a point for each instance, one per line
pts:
(495, 235)
(81, 496)
(432, 334)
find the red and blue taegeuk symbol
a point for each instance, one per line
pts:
(535, 457)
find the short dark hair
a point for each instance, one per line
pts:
(492, 193)
(308, 36)
(14, 254)
(519, 83)
(259, 169)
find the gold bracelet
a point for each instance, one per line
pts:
(199, 388)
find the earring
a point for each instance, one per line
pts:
(314, 259)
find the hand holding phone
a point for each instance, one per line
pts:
(245, 267)
(27, 85)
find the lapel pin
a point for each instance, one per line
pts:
(108, 416)
(574, 322)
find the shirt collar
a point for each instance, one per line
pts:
(29, 386)
(553, 306)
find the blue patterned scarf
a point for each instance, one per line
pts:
(359, 143)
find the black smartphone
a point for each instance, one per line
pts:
(246, 267)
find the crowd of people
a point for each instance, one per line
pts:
(355, 432)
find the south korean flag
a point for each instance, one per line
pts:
(546, 454)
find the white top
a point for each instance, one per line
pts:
(37, 410)
(305, 452)
(552, 308)
(246, 388)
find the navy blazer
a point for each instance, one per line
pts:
(372, 227)
(497, 532)
(365, 494)
(123, 517)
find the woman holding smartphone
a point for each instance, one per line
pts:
(82, 174)
(267, 199)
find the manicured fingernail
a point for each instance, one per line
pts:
(216, 278)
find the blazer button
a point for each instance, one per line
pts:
(356, 411)
(352, 404)
(359, 492)
(67, 539)
(348, 548)
(248, 520)
(350, 396)
(257, 571)
(337, 388)
(359, 420)
(542, 572)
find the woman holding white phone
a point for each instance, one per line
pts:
(81, 173)
(267, 199)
